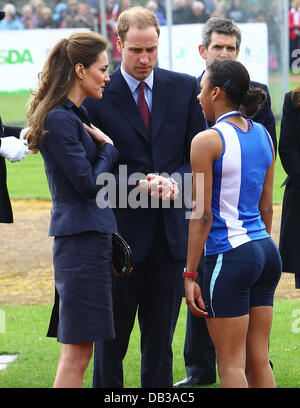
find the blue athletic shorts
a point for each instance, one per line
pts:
(241, 278)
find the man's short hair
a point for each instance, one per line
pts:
(136, 17)
(220, 26)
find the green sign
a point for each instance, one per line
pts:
(15, 57)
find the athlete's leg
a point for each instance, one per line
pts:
(258, 369)
(229, 336)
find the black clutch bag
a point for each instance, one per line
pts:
(121, 255)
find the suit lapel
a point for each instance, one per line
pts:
(125, 103)
(160, 100)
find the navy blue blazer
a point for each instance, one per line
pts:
(264, 115)
(6, 215)
(176, 118)
(72, 163)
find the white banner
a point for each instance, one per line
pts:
(23, 54)
(186, 57)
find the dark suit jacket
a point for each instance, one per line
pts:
(6, 214)
(289, 152)
(72, 163)
(264, 116)
(176, 118)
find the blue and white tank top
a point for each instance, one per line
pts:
(238, 178)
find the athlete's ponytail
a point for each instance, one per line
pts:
(252, 101)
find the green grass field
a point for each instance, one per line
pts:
(36, 365)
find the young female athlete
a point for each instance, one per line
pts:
(233, 224)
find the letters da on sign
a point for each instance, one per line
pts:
(15, 56)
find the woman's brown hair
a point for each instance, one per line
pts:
(57, 77)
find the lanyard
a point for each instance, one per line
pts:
(226, 115)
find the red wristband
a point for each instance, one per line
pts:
(190, 275)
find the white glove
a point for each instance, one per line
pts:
(13, 149)
(23, 133)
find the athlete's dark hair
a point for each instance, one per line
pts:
(233, 78)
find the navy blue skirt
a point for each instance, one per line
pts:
(82, 309)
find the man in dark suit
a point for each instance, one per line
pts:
(157, 235)
(221, 38)
(13, 150)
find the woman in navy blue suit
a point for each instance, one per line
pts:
(75, 153)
